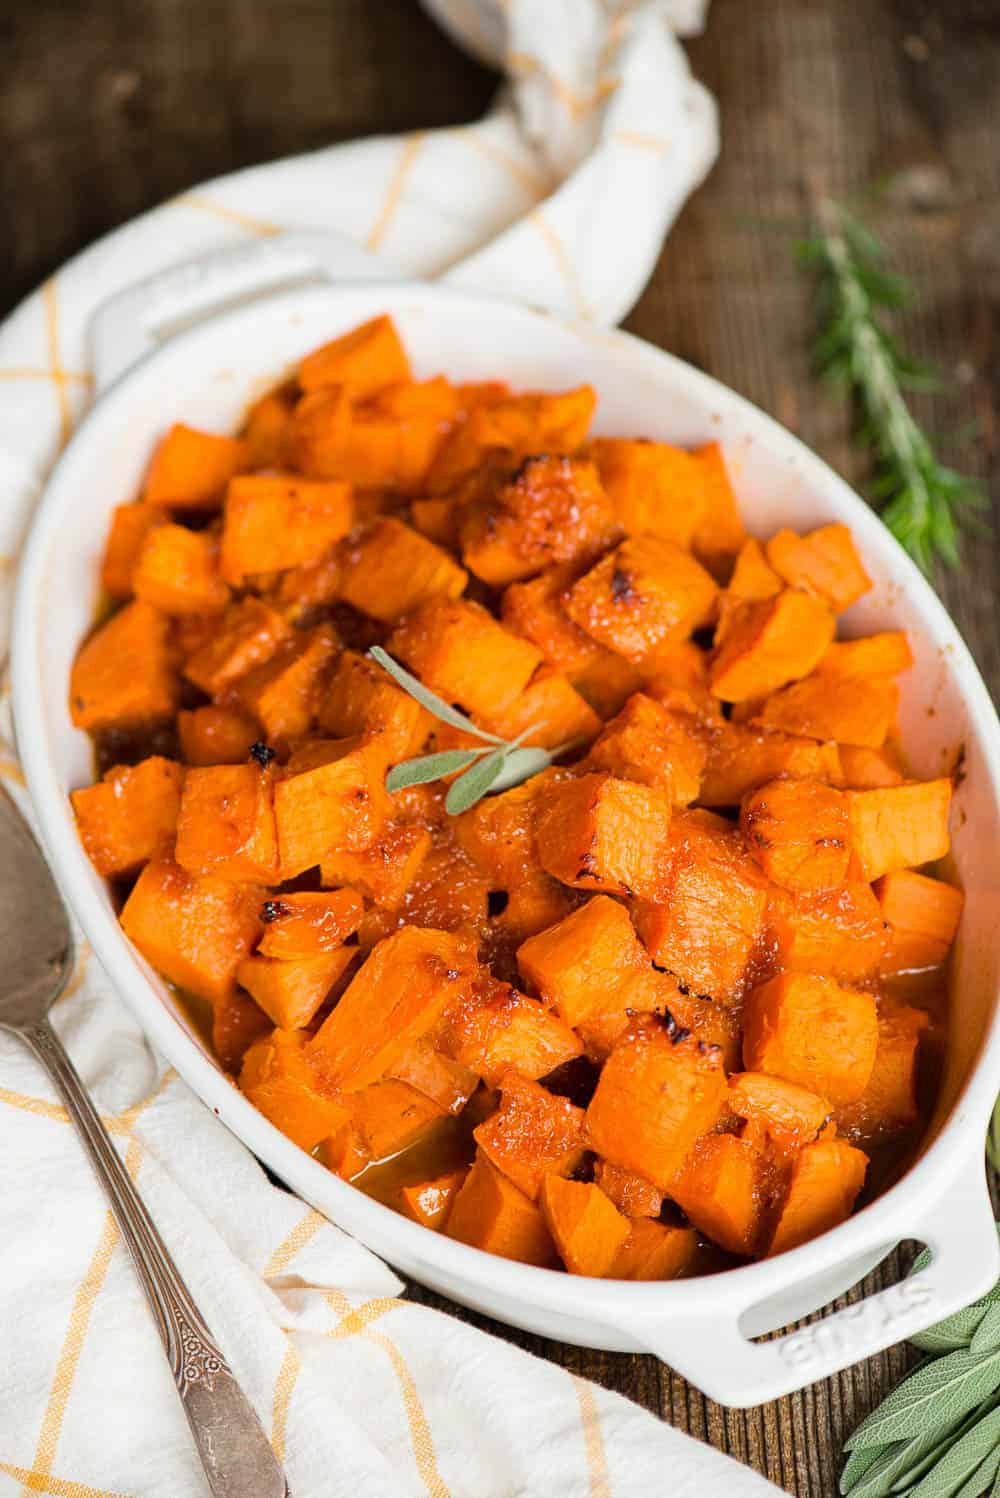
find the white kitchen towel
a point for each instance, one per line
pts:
(559, 197)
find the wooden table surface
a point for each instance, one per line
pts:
(111, 107)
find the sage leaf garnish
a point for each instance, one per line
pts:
(499, 765)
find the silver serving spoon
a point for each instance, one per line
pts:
(37, 948)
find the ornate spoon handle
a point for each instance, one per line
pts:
(234, 1450)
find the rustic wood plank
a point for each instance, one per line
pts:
(114, 106)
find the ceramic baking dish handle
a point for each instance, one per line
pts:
(710, 1350)
(135, 321)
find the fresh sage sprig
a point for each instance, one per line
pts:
(498, 765)
(923, 502)
(937, 1435)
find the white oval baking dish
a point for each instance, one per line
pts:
(703, 1327)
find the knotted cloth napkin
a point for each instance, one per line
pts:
(560, 197)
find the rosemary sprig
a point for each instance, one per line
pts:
(498, 765)
(923, 502)
(937, 1435)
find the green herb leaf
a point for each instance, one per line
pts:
(956, 1331)
(519, 765)
(470, 787)
(939, 1393)
(993, 1138)
(428, 699)
(430, 767)
(986, 1338)
(961, 1462)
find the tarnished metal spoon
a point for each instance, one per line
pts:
(37, 957)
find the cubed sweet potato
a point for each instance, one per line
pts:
(589, 961)
(390, 568)
(385, 871)
(709, 917)
(680, 680)
(247, 635)
(283, 1081)
(889, 1103)
(490, 1212)
(130, 525)
(275, 521)
(641, 596)
(770, 642)
(177, 571)
(447, 1083)
(825, 562)
(599, 832)
(653, 486)
(837, 932)
(899, 827)
(587, 1229)
(398, 995)
(722, 1189)
(550, 510)
(740, 758)
(788, 1115)
(391, 1115)
(124, 676)
(551, 706)
(654, 1251)
(498, 833)
(130, 816)
(338, 801)
(365, 360)
(647, 743)
(812, 1031)
(460, 651)
(846, 709)
(496, 1027)
(429, 1202)
(362, 698)
(825, 1181)
(285, 693)
(237, 1024)
(291, 990)
(658, 1092)
(632, 1194)
(798, 832)
(752, 579)
(518, 425)
(215, 735)
(190, 469)
(870, 769)
(868, 659)
(265, 428)
(226, 825)
(308, 923)
(720, 532)
(922, 916)
(331, 437)
(196, 932)
(532, 1134)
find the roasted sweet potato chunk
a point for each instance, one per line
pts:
(130, 817)
(720, 532)
(490, 1212)
(658, 1092)
(587, 1229)
(447, 1083)
(398, 995)
(770, 642)
(362, 698)
(130, 525)
(812, 1031)
(190, 469)
(900, 826)
(709, 916)
(177, 571)
(196, 932)
(385, 871)
(654, 1251)
(643, 595)
(391, 1115)
(740, 758)
(589, 961)
(869, 659)
(248, 634)
(722, 1187)
(838, 932)
(281, 1077)
(265, 430)
(275, 521)
(552, 708)
(339, 801)
(291, 990)
(284, 694)
(551, 509)
(215, 735)
(846, 709)
(124, 675)
(599, 832)
(824, 562)
(652, 486)
(788, 1115)
(365, 360)
(825, 1182)
(391, 568)
(429, 1202)
(798, 831)
(632, 1194)
(647, 743)
(517, 425)
(226, 825)
(889, 1103)
(495, 1027)
(532, 1134)
(463, 654)
(922, 916)
(308, 923)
